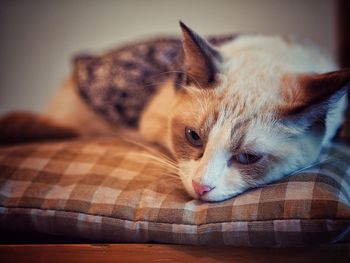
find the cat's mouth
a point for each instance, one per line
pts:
(213, 196)
(211, 199)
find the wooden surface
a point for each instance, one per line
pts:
(169, 253)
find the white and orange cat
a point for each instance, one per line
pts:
(248, 112)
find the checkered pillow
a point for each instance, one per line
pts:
(108, 190)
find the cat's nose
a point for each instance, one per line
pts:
(201, 189)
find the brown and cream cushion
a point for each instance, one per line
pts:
(109, 190)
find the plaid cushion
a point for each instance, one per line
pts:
(111, 191)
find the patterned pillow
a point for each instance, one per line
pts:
(109, 190)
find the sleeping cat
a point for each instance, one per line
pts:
(236, 112)
(250, 112)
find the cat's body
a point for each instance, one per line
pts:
(245, 113)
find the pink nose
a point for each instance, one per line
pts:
(201, 189)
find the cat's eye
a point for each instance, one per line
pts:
(193, 138)
(244, 158)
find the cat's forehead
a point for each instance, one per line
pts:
(209, 108)
(234, 131)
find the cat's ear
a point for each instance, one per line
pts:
(308, 97)
(201, 60)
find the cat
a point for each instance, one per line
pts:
(236, 113)
(250, 112)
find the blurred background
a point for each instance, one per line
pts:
(39, 37)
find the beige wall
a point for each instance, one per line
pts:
(38, 38)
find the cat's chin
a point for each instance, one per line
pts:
(215, 197)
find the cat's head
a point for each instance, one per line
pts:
(249, 113)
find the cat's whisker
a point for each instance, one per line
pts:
(162, 161)
(159, 161)
(183, 72)
(309, 166)
(154, 159)
(165, 166)
(165, 171)
(152, 150)
(147, 148)
(172, 180)
(160, 82)
(166, 174)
